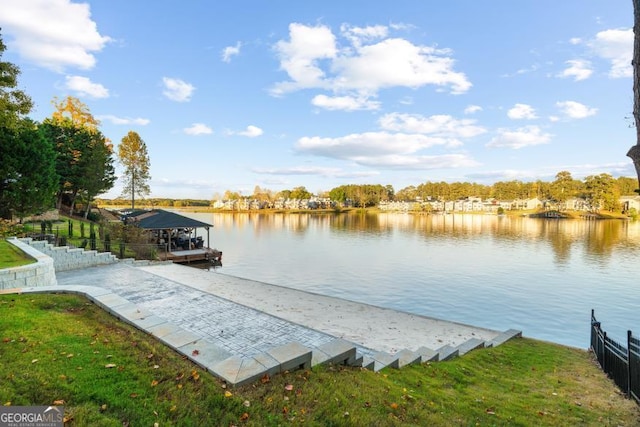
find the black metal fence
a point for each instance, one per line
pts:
(119, 248)
(620, 363)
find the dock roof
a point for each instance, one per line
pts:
(159, 219)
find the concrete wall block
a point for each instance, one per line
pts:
(22, 272)
(7, 284)
(7, 275)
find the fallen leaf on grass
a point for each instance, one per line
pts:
(110, 365)
(228, 394)
(103, 407)
(34, 361)
(154, 383)
(288, 387)
(195, 375)
(133, 395)
(244, 417)
(58, 402)
(246, 403)
(265, 379)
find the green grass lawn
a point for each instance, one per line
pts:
(11, 256)
(62, 349)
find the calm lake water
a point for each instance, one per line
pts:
(540, 276)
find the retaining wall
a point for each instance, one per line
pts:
(66, 258)
(40, 273)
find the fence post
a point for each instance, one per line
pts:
(629, 363)
(604, 352)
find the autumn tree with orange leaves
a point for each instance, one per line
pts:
(84, 155)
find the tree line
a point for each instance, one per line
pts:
(63, 160)
(601, 191)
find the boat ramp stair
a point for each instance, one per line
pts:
(292, 356)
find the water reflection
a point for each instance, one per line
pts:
(539, 275)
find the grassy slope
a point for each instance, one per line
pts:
(62, 348)
(11, 256)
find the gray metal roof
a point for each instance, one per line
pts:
(159, 219)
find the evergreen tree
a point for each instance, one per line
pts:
(133, 155)
(26, 159)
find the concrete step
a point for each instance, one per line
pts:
(428, 355)
(239, 371)
(470, 345)
(383, 359)
(337, 351)
(368, 363)
(446, 352)
(357, 360)
(504, 337)
(408, 357)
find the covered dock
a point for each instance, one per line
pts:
(176, 235)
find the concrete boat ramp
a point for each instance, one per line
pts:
(240, 330)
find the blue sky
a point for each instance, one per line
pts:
(228, 95)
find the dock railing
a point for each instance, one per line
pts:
(620, 363)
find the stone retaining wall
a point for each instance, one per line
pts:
(40, 273)
(66, 258)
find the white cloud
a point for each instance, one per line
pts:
(251, 131)
(400, 162)
(368, 64)
(55, 34)
(519, 138)
(471, 109)
(124, 120)
(397, 62)
(177, 90)
(198, 129)
(230, 51)
(367, 144)
(579, 69)
(300, 55)
(82, 86)
(575, 110)
(615, 46)
(315, 170)
(298, 170)
(522, 111)
(443, 126)
(385, 150)
(575, 40)
(345, 103)
(359, 35)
